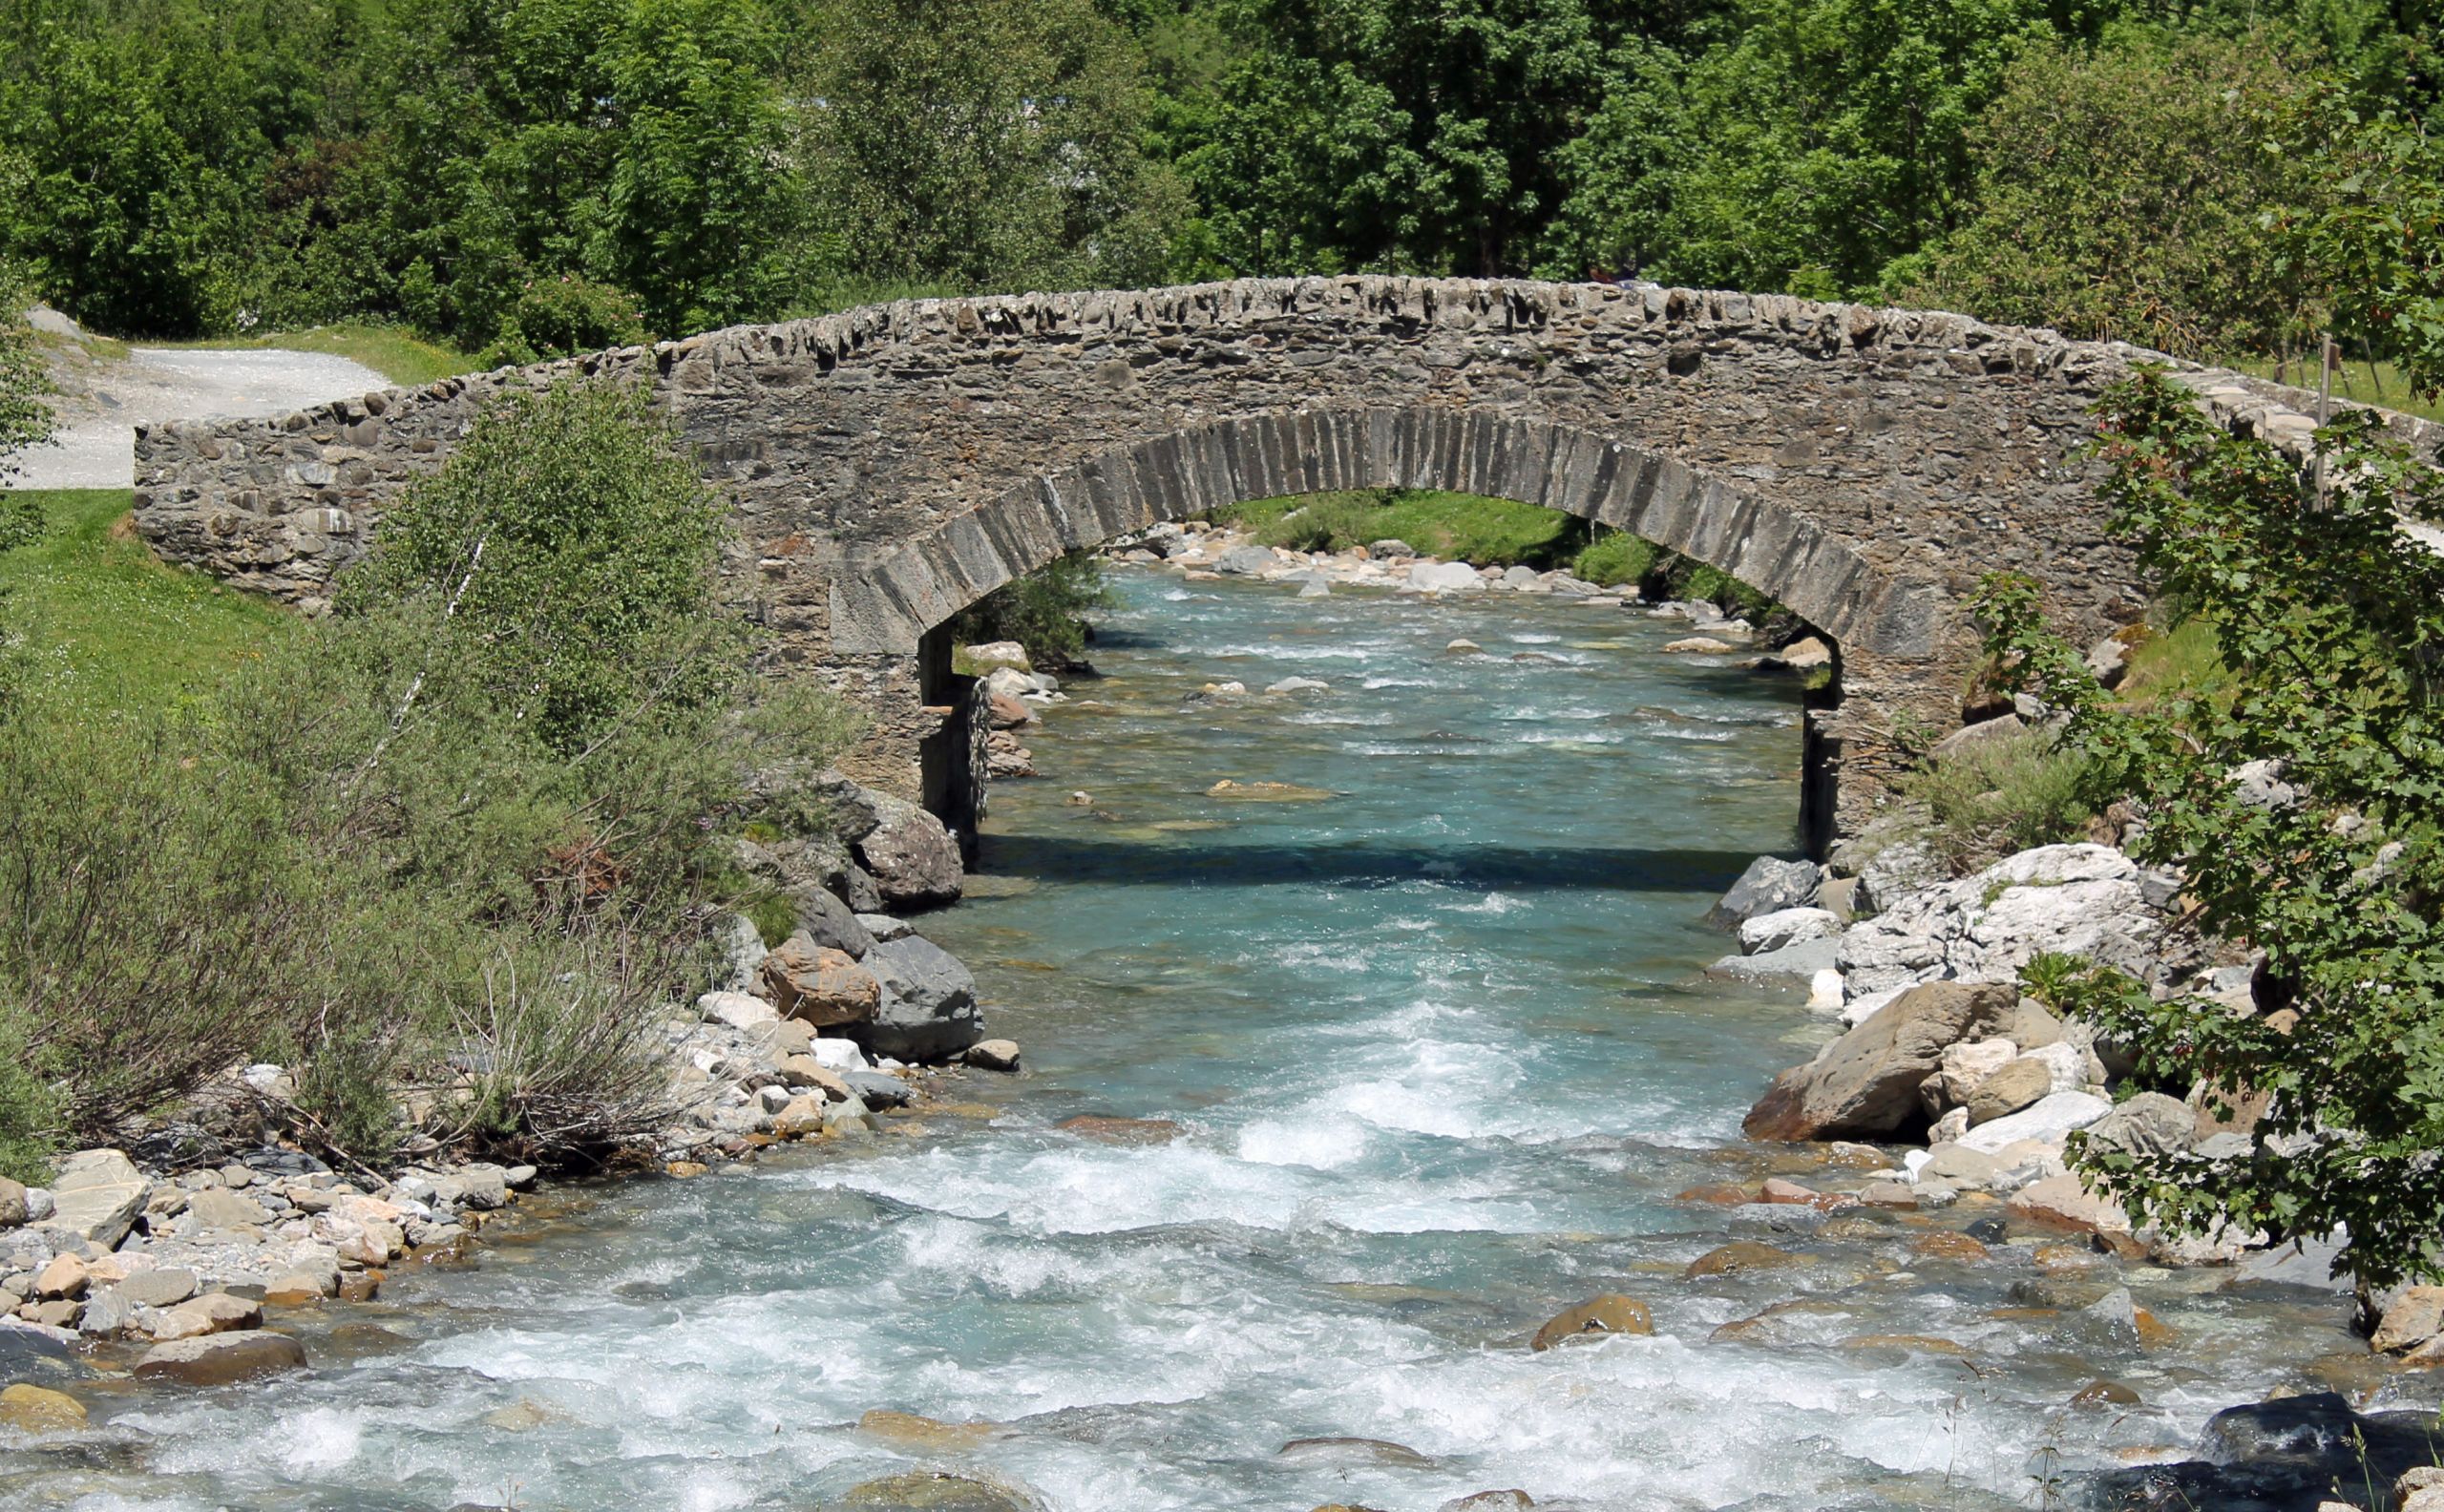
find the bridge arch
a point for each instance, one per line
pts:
(889, 603)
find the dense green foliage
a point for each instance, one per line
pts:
(2324, 617)
(548, 175)
(24, 418)
(450, 848)
(1046, 612)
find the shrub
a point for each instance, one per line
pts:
(451, 850)
(1044, 611)
(1615, 557)
(1998, 796)
(560, 317)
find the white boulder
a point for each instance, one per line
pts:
(2049, 1120)
(1790, 926)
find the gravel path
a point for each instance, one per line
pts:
(95, 442)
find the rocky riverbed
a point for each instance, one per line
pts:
(1378, 1146)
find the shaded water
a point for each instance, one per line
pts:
(1440, 1061)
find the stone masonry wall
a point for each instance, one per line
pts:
(890, 464)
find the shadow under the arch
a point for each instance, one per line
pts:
(1365, 863)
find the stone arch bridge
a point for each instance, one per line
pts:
(891, 465)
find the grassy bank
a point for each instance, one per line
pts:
(397, 354)
(1460, 527)
(112, 629)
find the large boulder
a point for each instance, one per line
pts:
(96, 1195)
(2080, 900)
(2150, 1123)
(1865, 1082)
(1786, 927)
(913, 859)
(823, 918)
(928, 1010)
(2048, 1121)
(938, 1491)
(1445, 577)
(819, 985)
(1769, 885)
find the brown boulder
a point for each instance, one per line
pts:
(2062, 1202)
(2414, 1318)
(2018, 1084)
(1866, 1081)
(1005, 712)
(819, 985)
(1609, 1313)
(218, 1359)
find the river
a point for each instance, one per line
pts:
(1440, 1057)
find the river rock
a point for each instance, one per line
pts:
(1962, 1066)
(737, 1010)
(2078, 900)
(876, 1089)
(1112, 1130)
(1246, 561)
(2047, 1120)
(1737, 1257)
(820, 985)
(2063, 1201)
(37, 1409)
(827, 921)
(219, 1360)
(1299, 684)
(13, 1207)
(1797, 964)
(1344, 1449)
(1511, 1501)
(913, 859)
(994, 1054)
(2411, 1318)
(1769, 885)
(1893, 872)
(928, 1010)
(98, 1194)
(2014, 1086)
(1609, 1313)
(936, 1491)
(990, 655)
(2150, 1123)
(213, 1313)
(65, 1276)
(1698, 645)
(1445, 577)
(1865, 1082)
(1785, 927)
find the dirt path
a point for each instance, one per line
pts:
(100, 403)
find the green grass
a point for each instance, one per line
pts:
(2379, 383)
(399, 356)
(2183, 658)
(1458, 527)
(109, 627)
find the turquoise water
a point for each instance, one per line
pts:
(1439, 1059)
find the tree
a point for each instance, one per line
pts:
(2372, 244)
(1823, 139)
(25, 420)
(2328, 616)
(982, 144)
(2120, 194)
(1377, 135)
